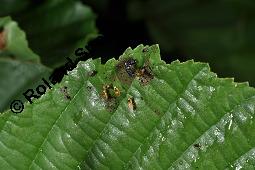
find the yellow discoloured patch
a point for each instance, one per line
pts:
(116, 91)
(131, 104)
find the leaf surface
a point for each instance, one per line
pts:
(183, 117)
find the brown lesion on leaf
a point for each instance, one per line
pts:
(110, 94)
(2, 40)
(111, 104)
(131, 104)
(117, 91)
(106, 95)
(127, 71)
(144, 74)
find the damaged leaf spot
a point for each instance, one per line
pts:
(131, 104)
(110, 91)
(2, 40)
(125, 70)
(116, 91)
(130, 67)
(144, 74)
(65, 92)
(197, 145)
(106, 92)
(111, 104)
(110, 94)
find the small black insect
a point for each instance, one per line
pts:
(130, 67)
(197, 145)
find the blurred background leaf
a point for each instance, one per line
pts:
(21, 77)
(12, 6)
(54, 28)
(20, 68)
(14, 43)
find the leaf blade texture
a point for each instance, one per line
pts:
(184, 117)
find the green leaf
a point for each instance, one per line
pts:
(181, 117)
(68, 24)
(15, 43)
(21, 77)
(20, 67)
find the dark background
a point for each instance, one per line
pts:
(119, 32)
(220, 33)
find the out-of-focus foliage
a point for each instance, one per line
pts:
(221, 32)
(99, 5)
(14, 42)
(12, 6)
(20, 68)
(54, 28)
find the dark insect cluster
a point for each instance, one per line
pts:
(197, 145)
(126, 70)
(130, 67)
